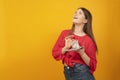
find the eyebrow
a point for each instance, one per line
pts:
(78, 11)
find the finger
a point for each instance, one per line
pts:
(82, 47)
(69, 37)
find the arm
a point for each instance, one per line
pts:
(84, 56)
(89, 56)
(57, 49)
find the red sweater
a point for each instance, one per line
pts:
(73, 57)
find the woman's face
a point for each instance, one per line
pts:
(79, 17)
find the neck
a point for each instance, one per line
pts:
(79, 29)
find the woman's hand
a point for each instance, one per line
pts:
(68, 43)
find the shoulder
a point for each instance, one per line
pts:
(65, 32)
(89, 40)
(90, 44)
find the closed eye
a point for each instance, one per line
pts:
(80, 13)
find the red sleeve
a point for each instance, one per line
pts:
(91, 51)
(57, 49)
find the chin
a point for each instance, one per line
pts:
(74, 22)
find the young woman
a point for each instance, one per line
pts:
(77, 48)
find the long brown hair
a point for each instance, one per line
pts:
(88, 26)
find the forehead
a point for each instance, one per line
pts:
(79, 10)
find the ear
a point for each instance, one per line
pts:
(85, 21)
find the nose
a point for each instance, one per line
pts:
(76, 14)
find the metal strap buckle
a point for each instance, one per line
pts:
(68, 67)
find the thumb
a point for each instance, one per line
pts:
(82, 47)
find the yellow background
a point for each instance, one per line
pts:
(29, 29)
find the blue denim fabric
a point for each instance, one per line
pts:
(78, 72)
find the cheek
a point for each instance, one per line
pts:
(81, 19)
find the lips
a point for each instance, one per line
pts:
(75, 18)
